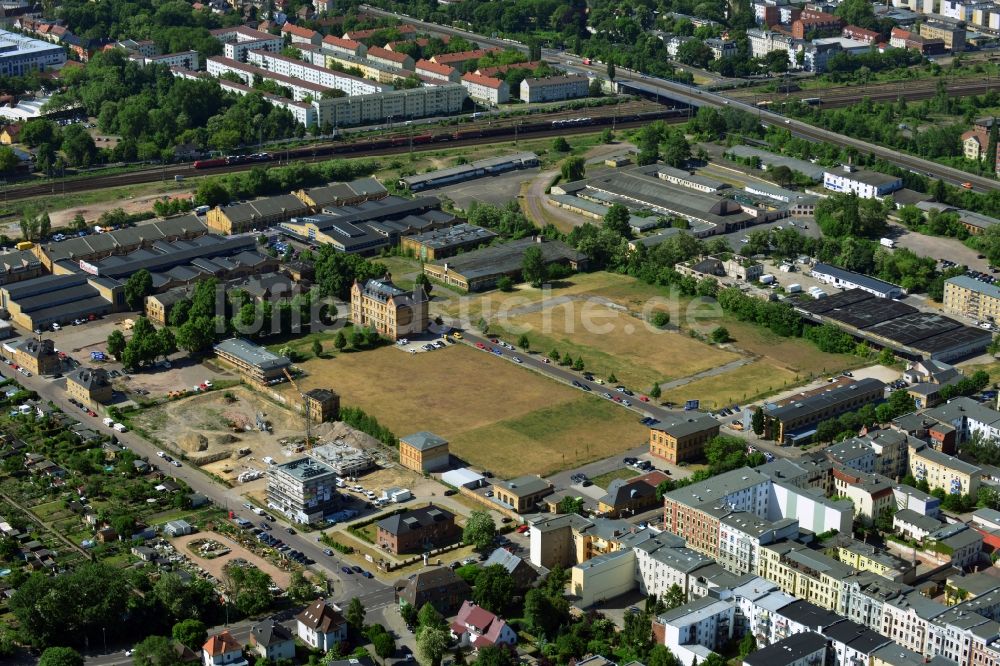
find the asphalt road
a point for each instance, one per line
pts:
(697, 97)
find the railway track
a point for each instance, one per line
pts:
(887, 92)
(497, 133)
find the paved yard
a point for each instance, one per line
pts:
(215, 566)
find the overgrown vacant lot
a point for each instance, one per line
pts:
(496, 414)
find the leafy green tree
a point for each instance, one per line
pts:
(661, 655)
(249, 589)
(428, 616)
(432, 643)
(533, 266)
(424, 282)
(116, 343)
(496, 655)
(480, 530)
(340, 341)
(504, 283)
(578, 364)
(757, 421)
(384, 645)
(570, 505)
(317, 349)
(674, 597)
(617, 220)
(355, 614)
(156, 651)
(611, 71)
(409, 613)
(300, 590)
(52, 610)
(655, 392)
(660, 318)
(137, 287)
(676, 150)
(573, 168)
(524, 342)
(196, 334)
(719, 335)
(60, 656)
(190, 632)
(748, 645)
(560, 145)
(494, 587)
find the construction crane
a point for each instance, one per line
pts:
(305, 409)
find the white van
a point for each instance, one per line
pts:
(108, 422)
(120, 428)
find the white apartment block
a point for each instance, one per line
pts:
(397, 105)
(741, 535)
(705, 622)
(765, 41)
(554, 88)
(960, 10)
(185, 59)
(865, 184)
(486, 89)
(240, 40)
(321, 76)
(918, 6)
(660, 565)
(300, 89)
(21, 54)
(304, 113)
(907, 620)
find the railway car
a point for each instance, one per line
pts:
(210, 164)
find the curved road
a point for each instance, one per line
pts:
(696, 97)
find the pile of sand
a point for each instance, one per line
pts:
(193, 442)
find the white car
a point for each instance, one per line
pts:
(208, 383)
(160, 454)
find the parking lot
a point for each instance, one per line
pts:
(496, 190)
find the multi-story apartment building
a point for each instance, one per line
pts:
(707, 623)
(423, 452)
(417, 530)
(854, 453)
(393, 312)
(972, 298)
(445, 99)
(299, 34)
(683, 438)
(37, 356)
(486, 89)
(255, 364)
(554, 88)
(391, 59)
(865, 557)
(305, 490)
(694, 512)
(433, 70)
(663, 561)
(950, 32)
(804, 573)
(764, 41)
(741, 534)
(238, 41)
(940, 470)
(320, 76)
(90, 386)
(345, 46)
(907, 618)
(871, 494)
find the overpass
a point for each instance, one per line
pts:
(680, 94)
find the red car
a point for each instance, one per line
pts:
(480, 345)
(494, 340)
(91, 412)
(522, 529)
(643, 398)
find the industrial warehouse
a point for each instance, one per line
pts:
(490, 166)
(897, 326)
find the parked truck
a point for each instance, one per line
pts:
(767, 278)
(795, 288)
(887, 242)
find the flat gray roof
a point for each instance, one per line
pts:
(252, 354)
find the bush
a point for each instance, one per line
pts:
(660, 318)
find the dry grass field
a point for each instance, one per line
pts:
(749, 381)
(610, 341)
(495, 414)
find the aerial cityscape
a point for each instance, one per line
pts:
(500, 332)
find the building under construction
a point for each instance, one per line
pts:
(342, 458)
